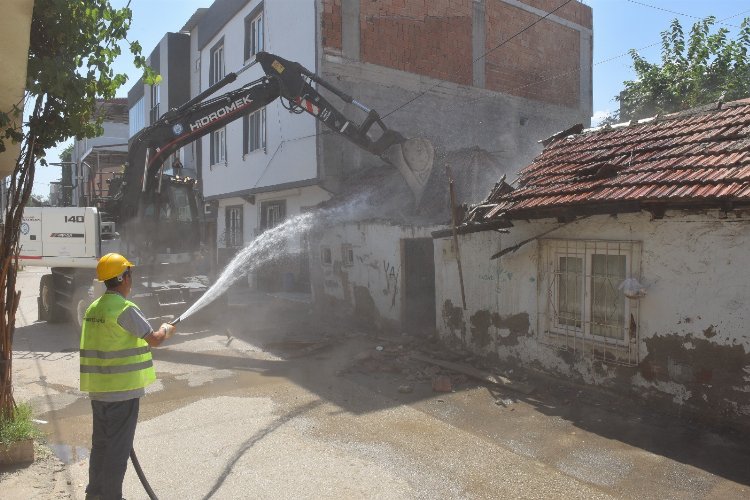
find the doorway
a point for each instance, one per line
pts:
(419, 286)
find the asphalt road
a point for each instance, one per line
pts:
(239, 411)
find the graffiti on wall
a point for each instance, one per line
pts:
(391, 281)
(500, 277)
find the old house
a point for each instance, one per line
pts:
(372, 258)
(618, 258)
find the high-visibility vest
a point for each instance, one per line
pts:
(112, 359)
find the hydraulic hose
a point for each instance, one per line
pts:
(141, 475)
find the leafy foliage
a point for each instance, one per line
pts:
(73, 44)
(705, 68)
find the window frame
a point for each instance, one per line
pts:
(551, 251)
(217, 71)
(253, 45)
(218, 147)
(254, 130)
(326, 255)
(153, 112)
(234, 236)
(280, 205)
(347, 254)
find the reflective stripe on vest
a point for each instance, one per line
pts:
(112, 359)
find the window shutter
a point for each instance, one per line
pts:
(245, 133)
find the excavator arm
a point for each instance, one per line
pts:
(143, 198)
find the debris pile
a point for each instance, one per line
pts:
(421, 361)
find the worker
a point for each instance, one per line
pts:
(116, 367)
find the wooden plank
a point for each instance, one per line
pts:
(477, 374)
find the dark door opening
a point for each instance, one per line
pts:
(419, 286)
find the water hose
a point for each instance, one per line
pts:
(141, 475)
(134, 459)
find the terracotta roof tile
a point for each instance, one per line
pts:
(699, 156)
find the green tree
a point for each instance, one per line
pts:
(73, 44)
(705, 68)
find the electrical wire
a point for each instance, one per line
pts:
(680, 13)
(482, 56)
(524, 86)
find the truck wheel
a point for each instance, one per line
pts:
(49, 310)
(81, 301)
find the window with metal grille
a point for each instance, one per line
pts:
(272, 213)
(219, 146)
(233, 234)
(347, 254)
(326, 256)
(216, 70)
(582, 306)
(255, 131)
(254, 33)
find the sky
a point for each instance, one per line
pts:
(619, 25)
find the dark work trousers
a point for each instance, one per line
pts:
(111, 442)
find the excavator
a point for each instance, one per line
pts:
(156, 213)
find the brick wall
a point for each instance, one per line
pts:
(331, 25)
(573, 11)
(434, 38)
(542, 63)
(431, 38)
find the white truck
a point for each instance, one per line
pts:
(69, 240)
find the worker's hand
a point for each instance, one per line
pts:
(168, 330)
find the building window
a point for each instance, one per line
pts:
(233, 235)
(219, 146)
(272, 213)
(326, 256)
(583, 306)
(216, 70)
(137, 117)
(347, 254)
(155, 100)
(254, 33)
(255, 131)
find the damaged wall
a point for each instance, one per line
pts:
(356, 272)
(692, 347)
(461, 99)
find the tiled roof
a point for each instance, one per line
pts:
(694, 159)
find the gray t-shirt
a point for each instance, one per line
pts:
(132, 320)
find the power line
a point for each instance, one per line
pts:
(538, 82)
(683, 14)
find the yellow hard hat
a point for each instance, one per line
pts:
(111, 266)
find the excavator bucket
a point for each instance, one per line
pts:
(413, 158)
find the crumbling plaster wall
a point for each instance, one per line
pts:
(694, 344)
(369, 289)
